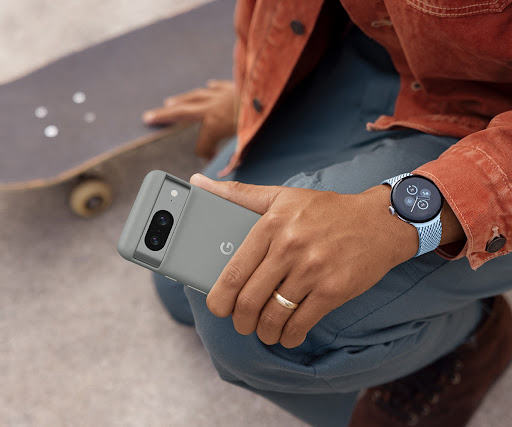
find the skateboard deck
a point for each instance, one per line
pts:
(61, 120)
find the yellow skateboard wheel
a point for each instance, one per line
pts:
(90, 198)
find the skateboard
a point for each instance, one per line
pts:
(62, 121)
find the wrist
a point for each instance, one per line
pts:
(402, 238)
(452, 229)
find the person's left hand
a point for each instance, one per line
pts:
(324, 247)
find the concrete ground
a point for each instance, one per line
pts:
(84, 340)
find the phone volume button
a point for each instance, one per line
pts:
(171, 278)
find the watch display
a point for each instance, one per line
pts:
(416, 199)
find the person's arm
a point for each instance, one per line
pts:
(324, 248)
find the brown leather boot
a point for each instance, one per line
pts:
(447, 392)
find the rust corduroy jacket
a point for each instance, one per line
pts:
(454, 58)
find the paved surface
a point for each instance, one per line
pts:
(83, 338)
(34, 33)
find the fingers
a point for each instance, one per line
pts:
(212, 105)
(222, 297)
(274, 316)
(257, 198)
(219, 84)
(310, 311)
(194, 95)
(190, 105)
(168, 115)
(255, 294)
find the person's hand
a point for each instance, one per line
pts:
(213, 105)
(324, 247)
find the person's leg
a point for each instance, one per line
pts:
(418, 312)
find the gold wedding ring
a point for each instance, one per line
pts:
(284, 302)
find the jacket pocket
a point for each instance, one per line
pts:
(458, 8)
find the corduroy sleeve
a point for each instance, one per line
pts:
(475, 177)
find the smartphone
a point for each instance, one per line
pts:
(182, 231)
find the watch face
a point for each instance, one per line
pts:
(416, 199)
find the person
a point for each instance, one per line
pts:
(375, 139)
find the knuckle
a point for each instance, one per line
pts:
(315, 260)
(246, 305)
(267, 321)
(292, 241)
(328, 292)
(236, 186)
(294, 331)
(272, 221)
(274, 193)
(233, 277)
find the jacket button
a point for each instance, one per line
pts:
(298, 27)
(495, 244)
(256, 103)
(416, 86)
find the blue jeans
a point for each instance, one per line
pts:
(421, 310)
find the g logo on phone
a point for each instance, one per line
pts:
(227, 248)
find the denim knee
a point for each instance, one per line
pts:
(369, 340)
(173, 298)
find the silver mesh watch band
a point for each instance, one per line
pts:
(430, 236)
(429, 233)
(395, 179)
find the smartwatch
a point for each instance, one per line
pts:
(417, 201)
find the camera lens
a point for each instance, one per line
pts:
(159, 230)
(163, 220)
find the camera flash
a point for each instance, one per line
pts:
(174, 193)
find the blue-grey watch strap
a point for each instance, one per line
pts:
(395, 179)
(429, 233)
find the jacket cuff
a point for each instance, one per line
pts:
(480, 195)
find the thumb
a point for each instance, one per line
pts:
(257, 198)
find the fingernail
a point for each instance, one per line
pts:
(198, 178)
(148, 116)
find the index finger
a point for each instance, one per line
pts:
(166, 115)
(222, 298)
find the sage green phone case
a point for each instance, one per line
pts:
(206, 231)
